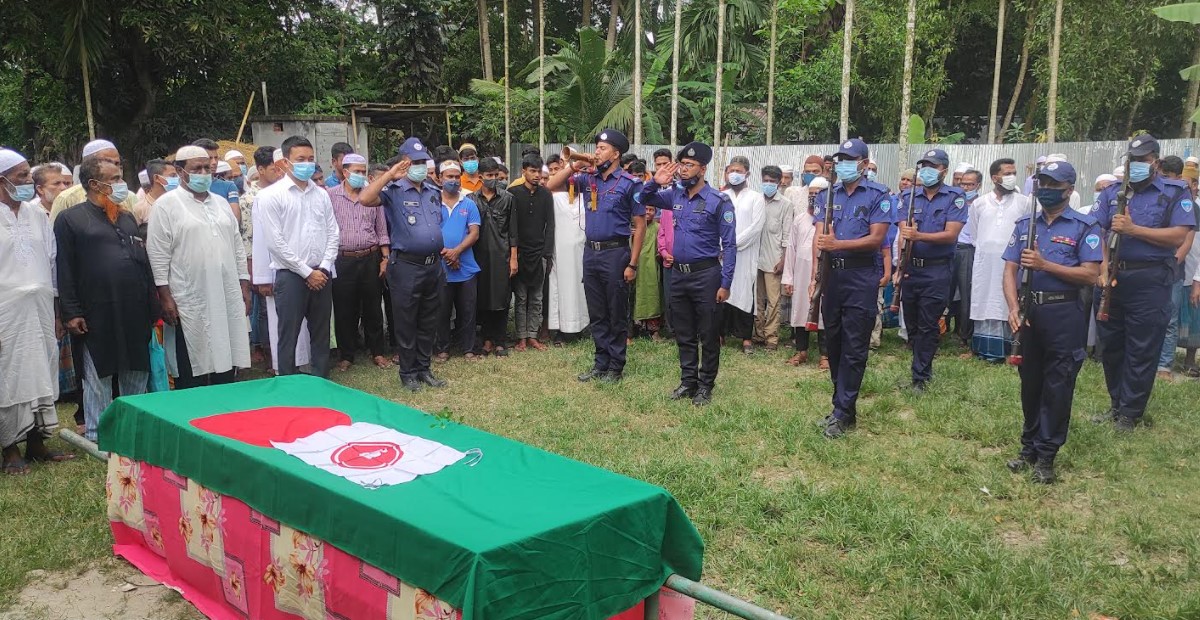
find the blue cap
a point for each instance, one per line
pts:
(614, 138)
(1143, 144)
(854, 148)
(936, 157)
(414, 150)
(1058, 171)
(696, 151)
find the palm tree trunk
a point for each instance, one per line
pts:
(1052, 104)
(847, 40)
(507, 94)
(1188, 129)
(485, 39)
(637, 72)
(996, 75)
(720, 71)
(541, 74)
(675, 75)
(87, 89)
(586, 22)
(611, 42)
(910, 42)
(1027, 40)
(771, 73)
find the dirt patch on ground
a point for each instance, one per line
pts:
(774, 477)
(1021, 538)
(111, 590)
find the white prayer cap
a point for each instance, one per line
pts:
(190, 152)
(144, 177)
(252, 173)
(95, 146)
(223, 166)
(9, 159)
(963, 167)
(1192, 160)
(232, 154)
(1119, 172)
(787, 169)
(1106, 178)
(449, 164)
(61, 167)
(277, 155)
(499, 161)
(353, 158)
(819, 183)
(545, 169)
(1055, 157)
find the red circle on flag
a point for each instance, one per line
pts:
(367, 455)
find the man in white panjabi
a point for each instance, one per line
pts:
(993, 217)
(28, 343)
(797, 269)
(264, 275)
(567, 304)
(750, 214)
(199, 266)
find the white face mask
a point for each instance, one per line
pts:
(1009, 182)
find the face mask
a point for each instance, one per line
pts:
(492, 184)
(120, 191)
(1009, 182)
(1138, 171)
(418, 172)
(971, 195)
(1050, 197)
(200, 183)
(243, 168)
(471, 166)
(769, 189)
(357, 180)
(688, 183)
(847, 171)
(170, 183)
(452, 187)
(302, 170)
(737, 178)
(871, 174)
(806, 178)
(604, 165)
(21, 193)
(929, 176)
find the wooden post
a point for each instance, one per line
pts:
(87, 89)
(771, 73)
(266, 104)
(847, 40)
(247, 115)
(910, 43)
(637, 72)
(507, 104)
(992, 129)
(720, 72)
(353, 127)
(675, 77)
(541, 74)
(1052, 105)
(449, 133)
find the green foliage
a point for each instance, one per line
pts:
(1187, 12)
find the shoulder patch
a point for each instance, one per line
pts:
(728, 217)
(1186, 204)
(1092, 241)
(885, 205)
(959, 202)
(1012, 240)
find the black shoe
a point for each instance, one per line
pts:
(610, 377)
(1106, 417)
(919, 387)
(428, 379)
(703, 397)
(836, 428)
(412, 384)
(1021, 463)
(682, 392)
(829, 419)
(1043, 472)
(1125, 424)
(589, 375)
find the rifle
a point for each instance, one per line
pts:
(1025, 294)
(1114, 247)
(906, 250)
(814, 303)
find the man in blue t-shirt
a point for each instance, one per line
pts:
(460, 231)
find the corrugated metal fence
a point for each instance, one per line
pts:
(1090, 159)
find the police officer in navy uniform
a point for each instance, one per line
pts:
(1159, 216)
(609, 260)
(862, 212)
(705, 254)
(939, 214)
(413, 207)
(1054, 334)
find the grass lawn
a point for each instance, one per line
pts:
(913, 515)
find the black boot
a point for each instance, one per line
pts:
(1021, 463)
(682, 392)
(1043, 472)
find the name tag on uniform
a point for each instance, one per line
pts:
(837, 207)
(412, 203)
(917, 210)
(677, 207)
(1063, 240)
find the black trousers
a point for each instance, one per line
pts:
(1052, 346)
(693, 303)
(357, 292)
(458, 305)
(416, 306)
(294, 303)
(186, 379)
(493, 326)
(736, 323)
(801, 337)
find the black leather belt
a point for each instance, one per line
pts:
(417, 259)
(851, 262)
(1042, 298)
(963, 246)
(1139, 264)
(357, 253)
(699, 265)
(929, 262)
(608, 245)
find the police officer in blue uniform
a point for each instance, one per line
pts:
(413, 208)
(1054, 333)
(862, 212)
(609, 260)
(939, 214)
(705, 254)
(1159, 216)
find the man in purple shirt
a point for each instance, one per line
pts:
(361, 264)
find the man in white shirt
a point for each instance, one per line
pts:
(990, 227)
(302, 246)
(750, 216)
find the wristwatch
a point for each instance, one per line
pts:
(632, 266)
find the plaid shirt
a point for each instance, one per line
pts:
(362, 227)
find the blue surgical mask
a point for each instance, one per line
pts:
(120, 191)
(200, 183)
(806, 178)
(471, 166)
(357, 180)
(769, 189)
(21, 193)
(971, 195)
(452, 187)
(871, 174)
(418, 172)
(171, 183)
(929, 176)
(243, 168)
(1051, 197)
(303, 170)
(737, 178)
(847, 171)
(1139, 171)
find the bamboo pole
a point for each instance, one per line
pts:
(720, 72)
(847, 40)
(246, 115)
(910, 44)
(507, 101)
(353, 127)
(1052, 105)
(996, 75)
(541, 74)
(637, 72)
(87, 89)
(675, 76)
(771, 73)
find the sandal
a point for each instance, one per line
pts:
(381, 362)
(797, 359)
(50, 456)
(16, 467)
(500, 352)
(824, 364)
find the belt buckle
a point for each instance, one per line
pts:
(430, 259)
(837, 262)
(1037, 297)
(685, 268)
(918, 262)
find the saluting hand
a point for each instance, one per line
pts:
(1032, 259)
(400, 170)
(666, 174)
(1122, 224)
